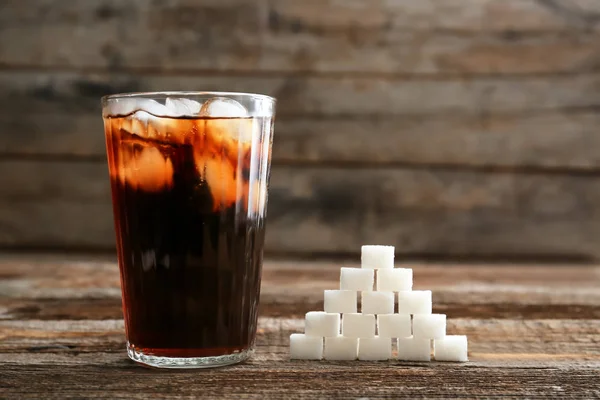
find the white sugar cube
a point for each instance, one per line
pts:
(451, 348)
(341, 348)
(377, 303)
(340, 301)
(393, 325)
(357, 279)
(377, 257)
(322, 324)
(429, 326)
(304, 347)
(412, 349)
(414, 302)
(375, 349)
(394, 280)
(358, 325)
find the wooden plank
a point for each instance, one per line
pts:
(516, 306)
(448, 15)
(491, 371)
(314, 209)
(299, 381)
(43, 358)
(60, 92)
(90, 207)
(552, 140)
(514, 357)
(48, 288)
(432, 37)
(488, 336)
(547, 140)
(31, 274)
(444, 212)
(60, 134)
(411, 37)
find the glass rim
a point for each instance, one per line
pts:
(183, 93)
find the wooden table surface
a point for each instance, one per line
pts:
(534, 332)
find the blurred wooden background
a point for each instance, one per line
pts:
(450, 128)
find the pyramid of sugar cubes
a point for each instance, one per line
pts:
(340, 332)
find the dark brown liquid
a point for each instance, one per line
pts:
(190, 258)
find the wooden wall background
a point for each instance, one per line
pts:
(450, 128)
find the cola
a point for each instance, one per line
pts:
(189, 201)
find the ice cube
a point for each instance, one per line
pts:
(119, 107)
(230, 132)
(180, 107)
(221, 178)
(173, 107)
(229, 120)
(136, 124)
(255, 196)
(147, 169)
(153, 107)
(144, 111)
(222, 107)
(169, 130)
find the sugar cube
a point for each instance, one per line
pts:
(429, 326)
(341, 348)
(357, 279)
(319, 323)
(358, 325)
(394, 280)
(393, 325)
(304, 347)
(376, 257)
(375, 349)
(340, 301)
(413, 349)
(451, 348)
(377, 303)
(414, 302)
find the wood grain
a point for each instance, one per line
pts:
(545, 141)
(454, 128)
(336, 210)
(408, 37)
(82, 353)
(450, 15)
(400, 101)
(300, 380)
(564, 338)
(62, 289)
(66, 92)
(433, 211)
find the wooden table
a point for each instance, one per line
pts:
(534, 331)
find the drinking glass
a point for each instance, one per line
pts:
(189, 173)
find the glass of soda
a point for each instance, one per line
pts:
(189, 173)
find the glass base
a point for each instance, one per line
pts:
(186, 362)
